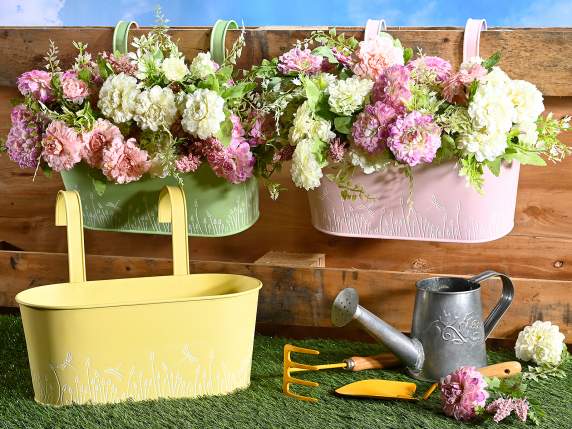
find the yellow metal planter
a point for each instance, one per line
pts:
(178, 336)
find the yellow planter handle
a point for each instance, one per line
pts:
(173, 210)
(68, 212)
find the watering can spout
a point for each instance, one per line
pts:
(346, 308)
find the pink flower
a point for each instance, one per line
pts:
(503, 407)
(74, 89)
(237, 129)
(462, 391)
(285, 153)
(392, 87)
(521, 409)
(36, 83)
(454, 86)
(344, 60)
(124, 162)
(371, 127)
(61, 146)
(414, 138)
(23, 142)
(337, 150)
(300, 61)
(188, 163)
(96, 140)
(437, 65)
(374, 55)
(235, 163)
(121, 64)
(261, 130)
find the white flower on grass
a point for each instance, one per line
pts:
(155, 108)
(347, 96)
(485, 146)
(117, 97)
(542, 343)
(528, 135)
(527, 101)
(175, 69)
(202, 65)
(306, 170)
(306, 126)
(203, 114)
(370, 163)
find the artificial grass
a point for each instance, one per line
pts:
(262, 405)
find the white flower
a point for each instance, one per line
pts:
(527, 100)
(347, 96)
(485, 146)
(528, 135)
(369, 163)
(306, 126)
(148, 65)
(542, 343)
(175, 69)
(155, 108)
(202, 65)
(117, 97)
(306, 170)
(203, 114)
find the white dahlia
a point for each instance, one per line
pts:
(306, 170)
(202, 65)
(527, 101)
(203, 114)
(542, 343)
(491, 109)
(117, 97)
(347, 96)
(485, 146)
(155, 108)
(306, 126)
(174, 68)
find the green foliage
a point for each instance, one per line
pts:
(447, 150)
(407, 55)
(473, 171)
(492, 61)
(313, 93)
(342, 177)
(51, 58)
(343, 124)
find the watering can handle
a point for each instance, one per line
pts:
(173, 210)
(68, 213)
(218, 39)
(121, 36)
(504, 302)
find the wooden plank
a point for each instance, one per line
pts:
(541, 56)
(291, 259)
(301, 296)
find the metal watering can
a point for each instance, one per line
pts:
(448, 329)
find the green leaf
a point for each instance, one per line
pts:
(525, 158)
(225, 131)
(324, 51)
(238, 91)
(492, 61)
(99, 186)
(85, 75)
(47, 170)
(103, 68)
(313, 93)
(332, 32)
(494, 166)
(343, 124)
(447, 149)
(407, 55)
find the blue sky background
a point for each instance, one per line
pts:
(518, 13)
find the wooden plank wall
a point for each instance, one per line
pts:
(538, 250)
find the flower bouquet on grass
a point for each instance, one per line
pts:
(121, 126)
(359, 116)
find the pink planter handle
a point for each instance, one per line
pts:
(373, 27)
(472, 38)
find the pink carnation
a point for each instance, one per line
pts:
(392, 87)
(125, 162)
(96, 140)
(414, 138)
(371, 127)
(188, 163)
(374, 55)
(235, 163)
(462, 391)
(36, 83)
(454, 87)
(73, 88)
(437, 65)
(337, 150)
(61, 146)
(344, 60)
(237, 128)
(24, 138)
(299, 60)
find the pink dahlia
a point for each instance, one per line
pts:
(437, 65)
(37, 83)
(299, 60)
(188, 163)
(98, 139)
(370, 130)
(24, 138)
(462, 391)
(124, 162)
(73, 88)
(61, 146)
(374, 55)
(235, 163)
(414, 138)
(392, 87)
(337, 150)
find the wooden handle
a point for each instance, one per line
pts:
(501, 370)
(382, 360)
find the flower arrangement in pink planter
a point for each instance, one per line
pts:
(392, 146)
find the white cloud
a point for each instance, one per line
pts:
(543, 13)
(31, 12)
(131, 9)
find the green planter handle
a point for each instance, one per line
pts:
(218, 38)
(121, 36)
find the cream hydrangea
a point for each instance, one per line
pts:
(542, 343)
(369, 163)
(174, 69)
(155, 108)
(306, 170)
(348, 95)
(117, 97)
(485, 146)
(527, 101)
(203, 114)
(202, 65)
(306, 126)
